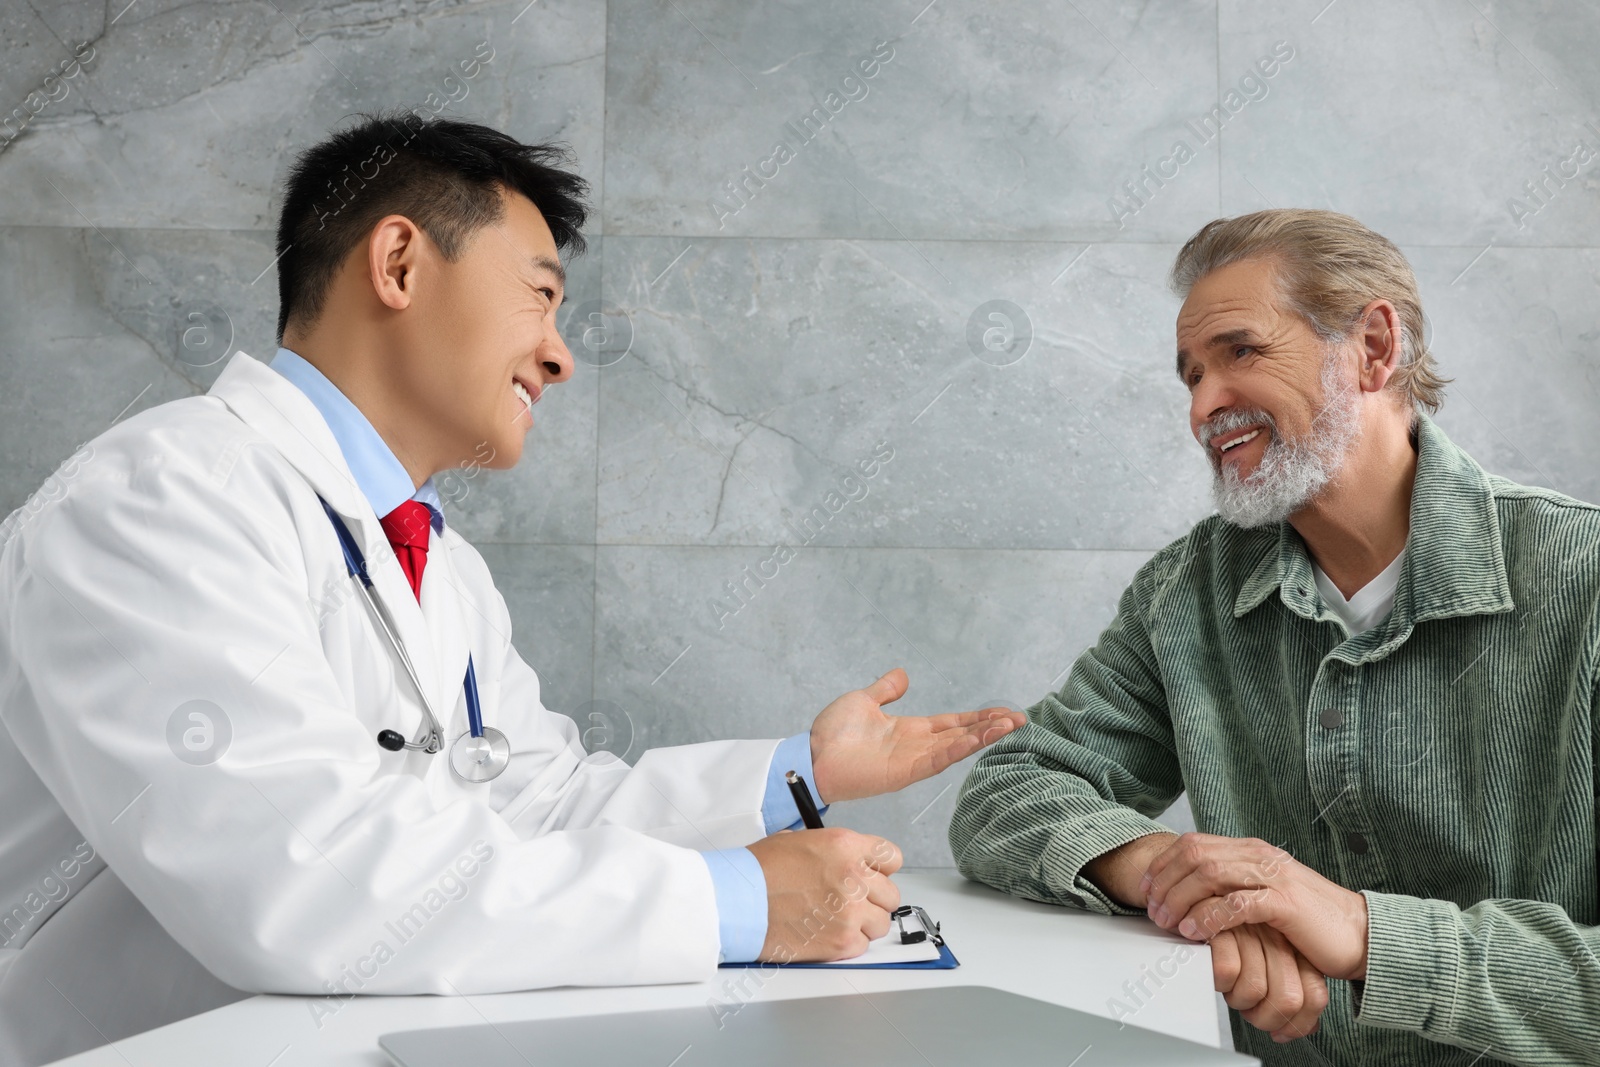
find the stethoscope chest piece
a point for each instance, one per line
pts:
(479, 759)
(478, 755)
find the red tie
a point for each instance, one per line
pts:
(407, 528)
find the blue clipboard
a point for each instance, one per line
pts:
(946, 961)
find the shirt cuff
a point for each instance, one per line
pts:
(1413, 959)
(777, 807)
(741, 889)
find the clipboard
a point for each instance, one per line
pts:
(913, 926)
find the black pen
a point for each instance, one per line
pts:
(803, 801)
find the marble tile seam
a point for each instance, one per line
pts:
(816, 239)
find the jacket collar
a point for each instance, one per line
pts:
(1454, 562)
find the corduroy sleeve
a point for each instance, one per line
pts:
(1515, 980)
(1094, 764)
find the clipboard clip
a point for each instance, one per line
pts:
(916, 925)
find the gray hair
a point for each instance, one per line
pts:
(1329, 267)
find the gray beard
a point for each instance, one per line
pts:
(1291, 473)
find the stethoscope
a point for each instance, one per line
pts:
(477, 755)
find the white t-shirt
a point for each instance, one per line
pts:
(1369, 605)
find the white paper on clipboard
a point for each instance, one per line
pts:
(888, 949)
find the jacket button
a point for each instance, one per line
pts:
(1356, 843)
(1331, 718)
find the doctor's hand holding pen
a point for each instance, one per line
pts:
(828, 890)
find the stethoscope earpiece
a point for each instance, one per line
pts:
(393, 740)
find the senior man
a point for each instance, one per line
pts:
(1374, 672)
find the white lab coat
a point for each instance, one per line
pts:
(183, 556)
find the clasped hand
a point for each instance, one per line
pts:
(1276, 926)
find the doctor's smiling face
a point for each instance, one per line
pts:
(472, 344)
(420, 271)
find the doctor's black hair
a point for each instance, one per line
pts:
(442, 174)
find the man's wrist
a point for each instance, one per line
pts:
(1119, 873)
(1363, 925)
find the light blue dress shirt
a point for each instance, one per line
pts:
(741, 887)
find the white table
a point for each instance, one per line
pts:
(1055, 954)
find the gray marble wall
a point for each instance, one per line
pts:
(746, 342)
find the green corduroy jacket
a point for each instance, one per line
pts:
(1441, 763)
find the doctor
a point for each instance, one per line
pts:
(230, 738)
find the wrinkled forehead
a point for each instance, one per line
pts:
(1242, 293)
(1233, 305)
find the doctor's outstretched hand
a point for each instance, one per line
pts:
(859, 751)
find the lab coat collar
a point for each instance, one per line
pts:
(271, 405)
(274, 407)
(377, 470)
